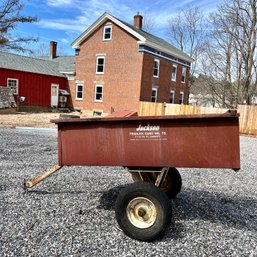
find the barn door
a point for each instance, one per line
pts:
(54, 95)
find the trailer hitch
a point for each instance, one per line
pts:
(41, 177)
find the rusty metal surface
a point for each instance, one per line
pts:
(200, 141)
(122, 113)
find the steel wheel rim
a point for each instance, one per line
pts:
(141, 212)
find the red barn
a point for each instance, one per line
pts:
(38, 80)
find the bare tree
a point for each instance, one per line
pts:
(217, 66)
(206, 91)
(148, 22)
(10, 17)
(230, 56)
(187, 31)
(43, 50)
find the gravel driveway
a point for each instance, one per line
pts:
(72, 212)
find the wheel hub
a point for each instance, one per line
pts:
(141, 212)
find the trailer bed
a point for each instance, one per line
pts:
(198, 141)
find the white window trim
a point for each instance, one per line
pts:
(95, 100)
(97, 58)
(17, 85)
(183, 69)
(156, 90)
(105, 27)
(175, 77)
(173, 92)
(182, 99)
(76, 97)
(158, 68)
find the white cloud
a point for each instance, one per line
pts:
(63, 24)
(59, 3)
(87, 12)
(90, 10)
(84, 13)
(65, 41)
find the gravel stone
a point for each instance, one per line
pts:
(72, 213)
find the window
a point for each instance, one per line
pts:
(172, 96)
(13, 84)
(181, 97)
(183, 76)
(154, 95)
(98, 93)
(174, 72)
(79, 91)
(107, 34)
(77, 52)
(97, 113)
(100, 65)
(156, 68)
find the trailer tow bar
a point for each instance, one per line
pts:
(41, 177)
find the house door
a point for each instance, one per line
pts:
(54, 95)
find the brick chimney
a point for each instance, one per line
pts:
(53, 49)
(138, 20)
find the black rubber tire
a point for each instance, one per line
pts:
(160, 202)
(172, 184)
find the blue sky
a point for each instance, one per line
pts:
(64, 20)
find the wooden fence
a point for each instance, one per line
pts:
(247, 121)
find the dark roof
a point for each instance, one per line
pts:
(157, 40)
(66, 64)
(144, 37)
(44, 66)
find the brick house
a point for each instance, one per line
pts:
(118, 65)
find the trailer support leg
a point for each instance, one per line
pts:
(39, 178)
(161, 177)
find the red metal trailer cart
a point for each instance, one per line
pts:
(151, 148)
